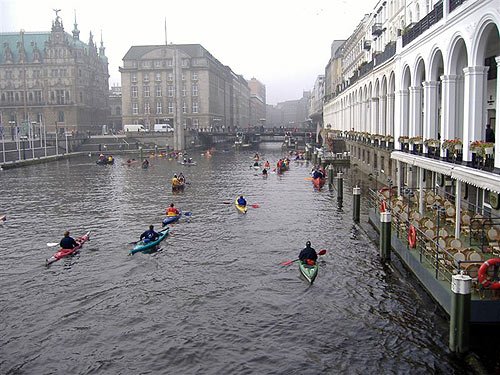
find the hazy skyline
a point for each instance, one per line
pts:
(285, 45)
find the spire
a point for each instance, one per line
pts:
(76, 32)
(101, 48)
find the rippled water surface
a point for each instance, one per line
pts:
(215, 300)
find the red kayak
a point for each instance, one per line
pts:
(62, 253)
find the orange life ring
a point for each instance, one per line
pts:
(383, 206)
(412, 236)
(482, 274)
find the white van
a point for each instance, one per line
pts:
(134, 128)
(163, 128)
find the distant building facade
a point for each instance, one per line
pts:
(296, 112)
(257, 102)
(52, 80)
(115, 109)
(183, 85)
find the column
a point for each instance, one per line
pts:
(400, 116)
(415, 125)
(421, 185)
(390, 115)
(448, 108)
(497, 111)
(368, 116)
(430, 110)
(473, 106)
(374, 116)
(458, 207)
(382, 115)
(398, 175)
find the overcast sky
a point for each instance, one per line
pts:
(284, 44)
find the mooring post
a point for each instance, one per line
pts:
(340, 185)
(140, 153)
(315, 157)
(385, 236)
(330, 176)
(460, 313)
(356, 203)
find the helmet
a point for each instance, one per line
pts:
(308, 243)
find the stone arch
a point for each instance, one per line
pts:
(390, 101)
(457, 61)
(405, 106)
(435, 114)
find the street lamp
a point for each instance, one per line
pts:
(439, 210)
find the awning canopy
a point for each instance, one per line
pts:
(475, 177)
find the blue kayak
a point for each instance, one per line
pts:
(171, 219)
(142, 246)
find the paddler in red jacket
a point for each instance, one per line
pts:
(172, 211)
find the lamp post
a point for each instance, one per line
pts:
(409, 193)
(439, 210)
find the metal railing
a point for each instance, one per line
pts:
(424, 24)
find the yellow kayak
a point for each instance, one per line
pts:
(242, 209)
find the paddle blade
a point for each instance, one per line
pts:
(322, 252)
(255, 205)
(308, 178)
(52, 244)
(226, 202)
(288, 262)
(188, 213)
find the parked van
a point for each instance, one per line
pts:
(134, 128)
(163, 128)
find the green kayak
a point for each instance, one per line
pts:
(308, 271)
(146, 247)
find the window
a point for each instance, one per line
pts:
(158, 63)
(118, 111)
(60, 97)
(146, 77)
(60, 116)
(158, 108)
(170, 107)
(184, 107)
(183, 77)
(170, 76)
(146, 91)
(36, 74)
(194, 76)
(134, 91)
(158, 91)
(134, 78)
(158, 77)
(195, 107)
(169, 62)
(183, 90)
(10, 96)
(196, 123)
(38, 96)
(147, 108)
(135, 109)
(170, 91)
(195, 90)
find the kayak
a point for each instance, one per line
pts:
(242, 209)
(62, 253)
(142, 246)
(308, 271)
(171, 219)
(3, 218)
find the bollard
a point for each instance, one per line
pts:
(330, 176)
(356, 203)
(385, 236)
(140, 153)
(340, 186)
(460, 313)
(315, 157)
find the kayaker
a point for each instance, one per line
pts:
(175, 180)
(242, 201)
(264, 172)
(68, 242)
(172, 211)
(149, 235)
(308, 253)
(267, 165)
(256, 164)
(145, 163)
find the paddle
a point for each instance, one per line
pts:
(308, 178)
(255, 205)
(52, 244)
(288, 262)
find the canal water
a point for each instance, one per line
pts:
(215, 299)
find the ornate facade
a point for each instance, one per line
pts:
(52, 80)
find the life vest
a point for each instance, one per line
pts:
(172, 211)
(383, 206)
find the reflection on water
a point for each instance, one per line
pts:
(215, 299)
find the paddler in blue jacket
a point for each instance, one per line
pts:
(68, 242)
(242, 201)
(149, 235)
(308, 253)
